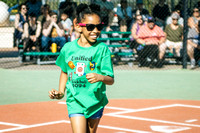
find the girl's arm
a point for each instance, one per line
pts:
(94, 77)
(54, 94)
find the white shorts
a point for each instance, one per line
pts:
(173, 44)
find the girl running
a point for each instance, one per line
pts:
(86, 69)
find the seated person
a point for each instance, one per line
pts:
(134, 31)
(32, 31)
(53, 32)
(193, 46)
(67, 24)
(107, 13)
(124, 13)
(20, 19)
(174, 33)
(152, 38)
(177, 10)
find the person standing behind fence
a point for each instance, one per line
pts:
(20, 19)
(86, 69)
(53, 32)
(106, 12)
(152, 38)
(32, 31)
(160, 13)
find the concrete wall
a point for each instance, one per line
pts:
(6, 37)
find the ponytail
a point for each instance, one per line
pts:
(84, 9)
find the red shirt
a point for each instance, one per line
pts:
(151, 35)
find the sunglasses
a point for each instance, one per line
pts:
(91, 27)
(174, 19)
(196, 11)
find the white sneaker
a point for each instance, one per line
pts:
(193, 63)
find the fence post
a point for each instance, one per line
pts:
(185, 32)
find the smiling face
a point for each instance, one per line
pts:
(90, 36)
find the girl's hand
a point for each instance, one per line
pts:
(94, 77)
(54, 94)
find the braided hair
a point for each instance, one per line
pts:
(84, 9)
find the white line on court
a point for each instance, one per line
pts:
(154, 120)
(35, 125)
(192, 120)
(122, 129)
(144, 109)
(189, 106)
(11, 124)
(65, 121)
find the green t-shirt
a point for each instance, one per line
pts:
(174, 35)
(77, 61)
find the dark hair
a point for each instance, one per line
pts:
(20, 7)
(32, 15)
(84, 9)
(52, 13)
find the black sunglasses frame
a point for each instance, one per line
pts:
(91, 27)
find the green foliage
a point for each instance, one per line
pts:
(11, 3)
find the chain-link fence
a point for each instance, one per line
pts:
(140, 34)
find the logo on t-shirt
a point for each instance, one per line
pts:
(80, 69)
(92, 65)
(71, 65)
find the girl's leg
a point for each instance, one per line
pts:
(92, 125)
(79, 124)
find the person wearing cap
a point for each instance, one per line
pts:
(152, 37)
(174, 32)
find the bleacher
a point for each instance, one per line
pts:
(120, 50)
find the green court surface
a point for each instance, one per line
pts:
(23, 86)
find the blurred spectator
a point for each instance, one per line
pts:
(174, 33)
(124, 13)
(107, 13)
(34, 7)
(193, 20)
(177, 11)
(134, 31)
(151, 39)
(70, 6)
(160, 13)
(20, 19)
(52, 32)
(67, 24)
(45, 10)
(140, 10)
(193, 46)
(32, 31)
